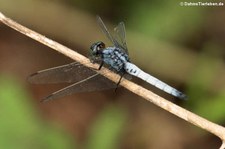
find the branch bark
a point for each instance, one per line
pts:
(215, 129)
(222, 146)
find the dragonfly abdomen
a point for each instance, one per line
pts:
(135, 71)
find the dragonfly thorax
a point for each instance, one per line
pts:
(115, 58)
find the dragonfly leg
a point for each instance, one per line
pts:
(100, 66)
(102, 63)
(118, 83)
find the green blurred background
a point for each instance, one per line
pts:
(183, 46)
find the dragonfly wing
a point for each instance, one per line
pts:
(105, 30)
(95, 82)
(120, 36)
(68, 73)
(121, 43)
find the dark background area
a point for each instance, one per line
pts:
(181, 45)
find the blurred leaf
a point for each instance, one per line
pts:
(166, 20)
(203, 100)
(213, 109)
(20, 127)
(107, 130)
(203, 76)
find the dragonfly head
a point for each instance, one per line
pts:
(96, 48)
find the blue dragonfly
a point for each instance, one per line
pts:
(84, 79)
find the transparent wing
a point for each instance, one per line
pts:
(84, 79)
(120, 35)
(119, 28)
(68, 73)
(95, 82)
(105, 30)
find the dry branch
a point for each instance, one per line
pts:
(146, 94)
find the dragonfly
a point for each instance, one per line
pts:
(85, 79)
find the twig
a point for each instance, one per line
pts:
(222, 146)
(146, 94)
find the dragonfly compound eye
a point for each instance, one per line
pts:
(97, 47)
